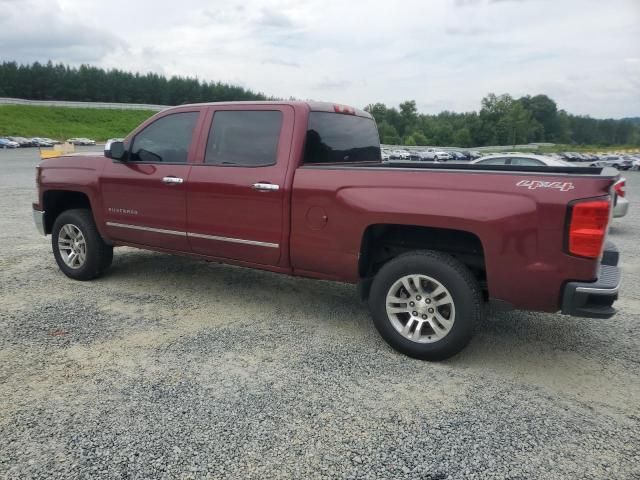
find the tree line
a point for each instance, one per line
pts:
(501, 120)
(92, 84)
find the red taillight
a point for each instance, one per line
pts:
(619, 187)
(344, 109)
(588, 227)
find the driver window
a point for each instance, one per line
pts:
(166, 140)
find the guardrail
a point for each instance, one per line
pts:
(63, 103)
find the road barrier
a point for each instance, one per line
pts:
(61, 103)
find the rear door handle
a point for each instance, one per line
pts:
(173, 180)
(265, 187)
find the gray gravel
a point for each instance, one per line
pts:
(171, 367)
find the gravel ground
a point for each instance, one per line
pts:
(171, 367)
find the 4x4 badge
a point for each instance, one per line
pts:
(533, 184)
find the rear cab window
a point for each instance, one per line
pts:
(341, 138)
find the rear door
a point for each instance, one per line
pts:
(144, 197)
(236, 190)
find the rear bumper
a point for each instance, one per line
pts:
(621, 207)
(595, 299)
(38, 219)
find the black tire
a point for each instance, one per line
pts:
(98, 254)
(454, 276)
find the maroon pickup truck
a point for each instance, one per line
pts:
(300, 188)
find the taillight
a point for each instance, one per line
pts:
(588, 227)
(619, 187)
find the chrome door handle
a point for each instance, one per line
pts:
(173, 180)
(265, 187)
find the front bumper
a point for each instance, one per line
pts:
(595, 299)
(38, 218)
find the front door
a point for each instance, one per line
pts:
(236, 192)
(144, 196)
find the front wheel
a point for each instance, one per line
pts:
(425, 304)
(78, 248)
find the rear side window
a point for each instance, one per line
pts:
(336, 138)
(166, 140)
(526, 162)
(244, 138)
(494, 161)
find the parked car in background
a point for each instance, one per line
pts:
(620, 202)
(81, 141)
(41, 142)
(439, 155)
(458, 156)
(614, 161)
(399, 155)
(523, 160)
(6, 143)
(23, 142)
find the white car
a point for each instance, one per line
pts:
(522, 159)
(434, 155)
(81, 141)
(399, 155)
(438, 155)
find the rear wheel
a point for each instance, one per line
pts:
(425, 304)
(78, 248)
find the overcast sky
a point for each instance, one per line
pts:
(445, 54)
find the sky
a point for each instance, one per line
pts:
(444, 54)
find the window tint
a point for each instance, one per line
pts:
(493, 161)
(165, 140)
(335, 137)
(244, 138)
(527, 162)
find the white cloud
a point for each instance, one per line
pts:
(445, 54)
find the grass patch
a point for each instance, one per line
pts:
(65, 122)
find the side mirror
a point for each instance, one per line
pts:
(114, 150)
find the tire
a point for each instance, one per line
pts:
(75, 231)
(432, 269)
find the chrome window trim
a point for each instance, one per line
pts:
(195, 235)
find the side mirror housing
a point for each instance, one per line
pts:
(115, 150)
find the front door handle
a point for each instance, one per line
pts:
(173, 180)
(265, 187)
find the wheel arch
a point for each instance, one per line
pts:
(56, 201)
(383, 242)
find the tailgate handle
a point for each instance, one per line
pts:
(265, 187)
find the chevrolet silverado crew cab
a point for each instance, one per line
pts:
(299, 188)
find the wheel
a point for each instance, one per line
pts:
(78, 248)
(425, 304)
